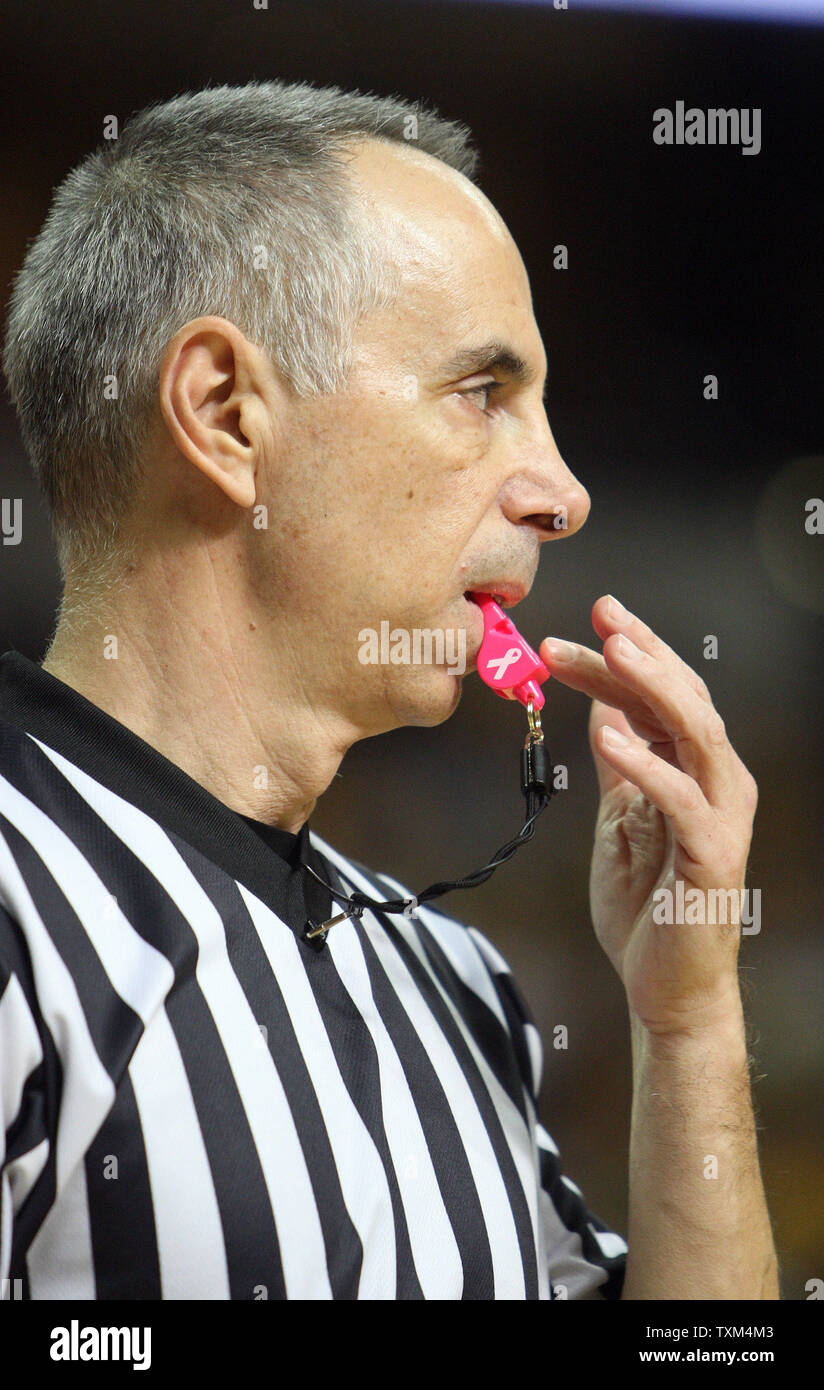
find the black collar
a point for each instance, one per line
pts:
(256, 855)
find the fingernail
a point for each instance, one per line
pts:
(627, 648)
(615, 610)
(560, 650)
(612, 737)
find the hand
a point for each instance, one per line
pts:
(676, 803)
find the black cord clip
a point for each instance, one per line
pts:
(316, 931)
(536, 770)
(536, 766)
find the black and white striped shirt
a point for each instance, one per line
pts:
(198, 1104)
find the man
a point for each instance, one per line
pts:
(276, 364)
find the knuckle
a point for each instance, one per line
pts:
(692, 797)
(643, 637)
(716, 729)
(653, 644)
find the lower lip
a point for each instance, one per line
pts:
(474, 632)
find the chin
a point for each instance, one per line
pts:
(428, 702)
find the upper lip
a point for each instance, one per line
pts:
(503, 591)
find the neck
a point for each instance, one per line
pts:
(221, 695)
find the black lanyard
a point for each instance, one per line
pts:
(536, 785)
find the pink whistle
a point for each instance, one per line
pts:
(506, 662)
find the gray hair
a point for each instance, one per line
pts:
(229, 201)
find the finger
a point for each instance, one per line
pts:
(582, 669)
(696, 727)
(676, 794)
(608, 616)
(660, 707)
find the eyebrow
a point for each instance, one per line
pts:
(490, 357)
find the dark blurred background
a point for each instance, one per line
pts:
(683, 262)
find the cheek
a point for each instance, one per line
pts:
(413, 477)
(447, 464)
(444, 504)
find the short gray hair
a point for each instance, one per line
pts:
(228, 201)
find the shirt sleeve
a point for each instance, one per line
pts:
(24, 1135)
(585, 1259)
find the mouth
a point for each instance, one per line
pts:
(505, 595)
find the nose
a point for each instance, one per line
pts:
(545, 494)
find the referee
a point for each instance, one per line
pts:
(278, 373)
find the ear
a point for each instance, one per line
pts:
(210, 399)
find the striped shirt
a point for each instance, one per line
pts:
(196, 1103)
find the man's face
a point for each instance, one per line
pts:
(434, 471)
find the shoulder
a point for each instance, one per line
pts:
(25, 769)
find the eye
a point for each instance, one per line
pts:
(484, 391)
